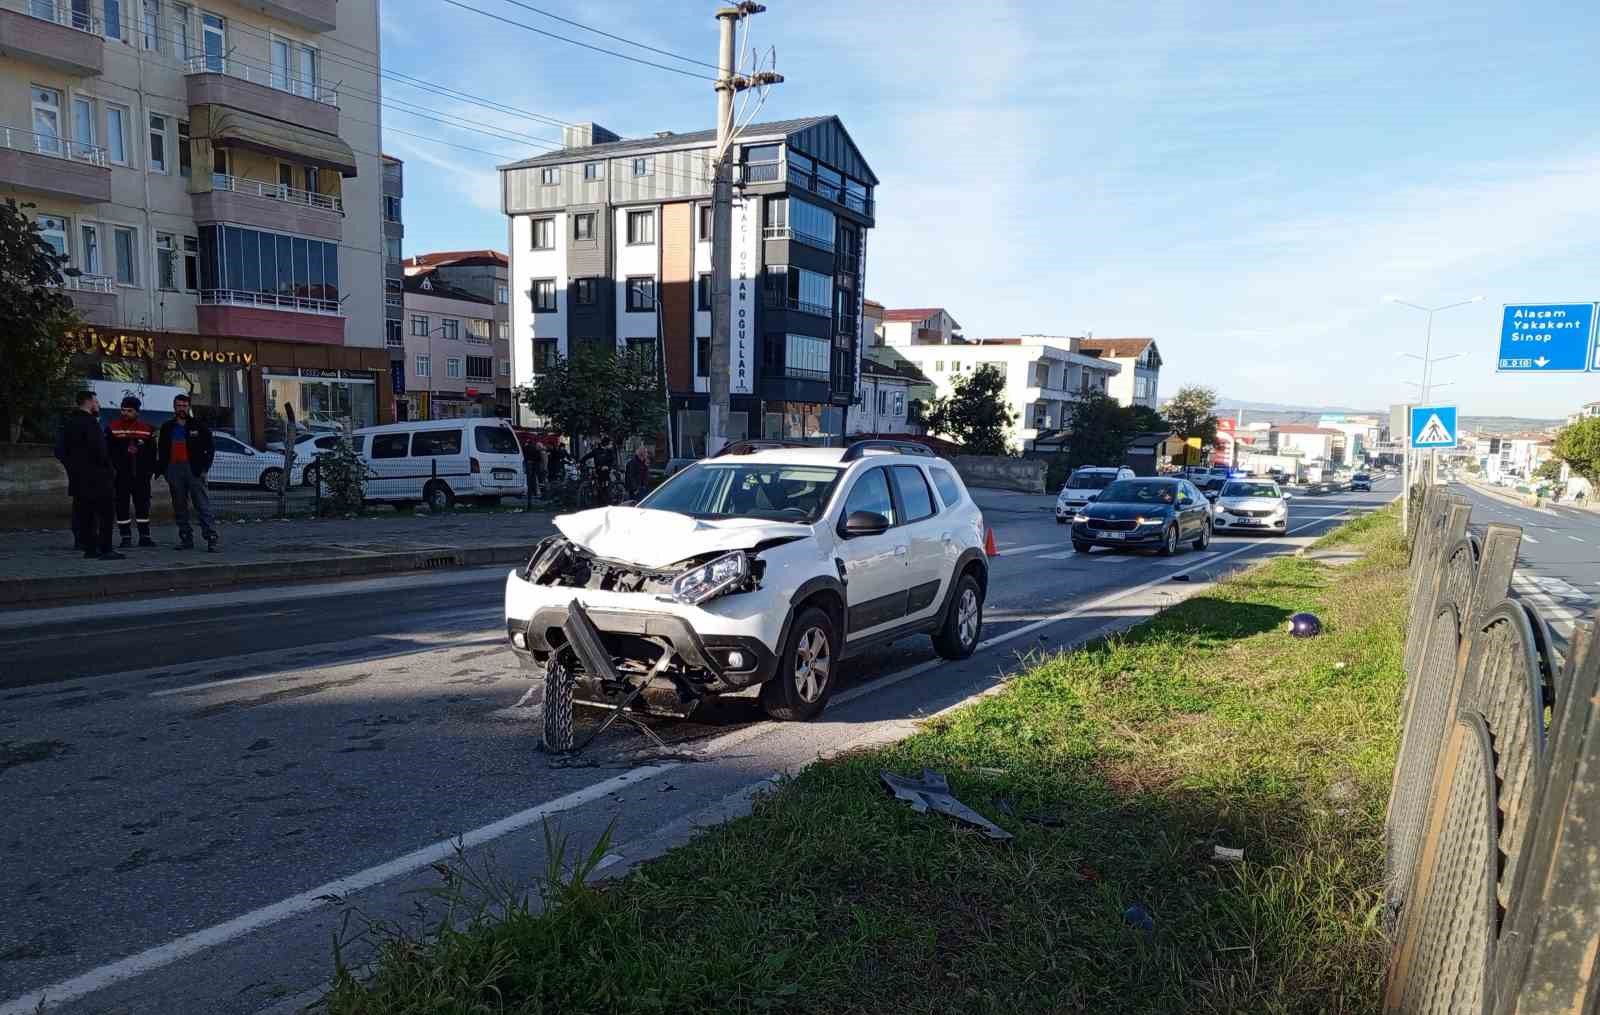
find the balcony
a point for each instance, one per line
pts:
(225, 81)
(840, 195)
(312, 15)
(393, 300)
(48, 164)
(94, 297)
(53, 35)
(274, 206)
(270, 316)
(776, 302)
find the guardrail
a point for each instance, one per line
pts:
(235, 67)
(1494, 815)
(276, 192)
(272, 301)
(53, 145)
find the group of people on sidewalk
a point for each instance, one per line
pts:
(109, 469)
(546, 466)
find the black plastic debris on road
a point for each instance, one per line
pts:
(933, 791)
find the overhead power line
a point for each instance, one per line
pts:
(578, 42)
(608, 35)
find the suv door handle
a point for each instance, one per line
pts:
(900, 551)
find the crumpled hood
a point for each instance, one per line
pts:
(1250, 503)
(657, 538)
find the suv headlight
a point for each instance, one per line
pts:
(711, 579)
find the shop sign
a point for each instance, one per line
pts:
(95, 343)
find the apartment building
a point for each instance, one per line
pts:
(485, 275)
(1140, 377)
(392, 221)
(887, 400)
(918, 326)
(453, 368)
(1044, 375)
(610, 243)
(211, 173)
(1308, 443)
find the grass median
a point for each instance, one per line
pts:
(1120, 768)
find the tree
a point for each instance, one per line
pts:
(1101, 429)
(1192, 413)
(974, 414)
(598, 390)
(1579, 446)
(1549, 469)
(1143, 419)
(38, 318)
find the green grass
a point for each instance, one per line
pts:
(1207, 725)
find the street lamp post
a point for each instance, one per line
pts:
(1428, 360)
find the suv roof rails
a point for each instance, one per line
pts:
(750, 447)
(860, 448)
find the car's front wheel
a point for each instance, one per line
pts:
(1082, 546)
(558, 693)
(807, 669)
(957, 638)
(272, 480)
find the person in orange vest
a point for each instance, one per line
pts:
(132, 442)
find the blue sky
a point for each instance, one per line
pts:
(1246, 182)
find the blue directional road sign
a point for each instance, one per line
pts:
(1546, 338)
(1433, 426)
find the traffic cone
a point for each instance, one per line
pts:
(989, 548)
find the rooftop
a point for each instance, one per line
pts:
(1121, 348)
(666, 139)
(458, 257)
(423, 284)
(912, 314)
(1306, 428)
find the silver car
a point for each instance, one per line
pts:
(1254, 505)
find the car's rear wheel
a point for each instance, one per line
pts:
(957, 638)
(1169, 542)
(1205, 537)
(1082, 547)
(807, 669)
(439, 496)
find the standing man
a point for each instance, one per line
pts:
(638, 472)
(91, 478)
(133, 452)
(184, 450)
(61, 456)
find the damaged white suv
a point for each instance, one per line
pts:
(767, 564)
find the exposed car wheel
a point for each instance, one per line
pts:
(438, 496)
(1082, 547)
(807, 669)
(309, 477)
(558, 687)
(1205, 537)
(272, 480)
(963, 621)
(1169, 542)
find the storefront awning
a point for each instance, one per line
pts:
(226, 127)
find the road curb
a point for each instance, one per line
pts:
(16, 592)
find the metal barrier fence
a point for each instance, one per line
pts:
(1493, 830)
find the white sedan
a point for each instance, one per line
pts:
(238, 464)
(1251, 505)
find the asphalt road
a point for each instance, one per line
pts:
(183, 780)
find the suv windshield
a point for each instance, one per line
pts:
(786, 493)
(1085, 480)
(1250, 490)
(1140, 491)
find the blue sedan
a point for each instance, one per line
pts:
(1155, 514)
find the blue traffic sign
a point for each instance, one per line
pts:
(1546, 337)
(1433, 426)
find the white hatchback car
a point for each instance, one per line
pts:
(765, 565)
(1257, 505)
(1083, 486)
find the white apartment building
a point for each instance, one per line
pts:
(918, 326)
(1309, 443)
(885, 406)
(212, 174)
(1044, 375)
(1139, 380)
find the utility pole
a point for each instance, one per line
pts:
(728, 83)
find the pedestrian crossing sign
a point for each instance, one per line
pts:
(1433, 426)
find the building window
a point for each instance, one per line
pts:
(583, 226)
(185, 167)
(478, 328)
(543, 294)
(158, 143)
(125, 245)
(706, 223)
(775, 213)
(641, 227)
(391, 247)
(424, 365)
(83, 123)
(191, 263)
(703, 292)
(645, 350)
(505, 367)
(502, 294)
(480, 368)
(502, 329)
(641, 294)
(584, 291)
(420, 326)
(117, 134)
(111, 15)
(452, 367)
(899, 406)
(391, 208)
(799, 289)
(544, 234)
(644, 165)
(53, 230)
(213, 41)
(938, 366)
(702, 356)
(804, 357)
(181, 46)
(812, 224)
(1141, 387)
(544, 354)
(594, 171)
(549, 176)
(392, 336)
(166, 262)
(449, 327)
(151, 34)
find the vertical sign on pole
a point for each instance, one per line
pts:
(742, 296)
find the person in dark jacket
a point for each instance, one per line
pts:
(556, 464)
(133, 452)
(61, 456)
(637, 474)
(184, 451)
(604, 458)
(91, 477)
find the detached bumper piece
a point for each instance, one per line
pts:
(585, 644)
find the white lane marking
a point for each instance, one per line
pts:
(312, 898)
(1529, 539)
(1026, 549)
(1063, 555)
(1576, 539)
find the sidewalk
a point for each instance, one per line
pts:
(36, 566)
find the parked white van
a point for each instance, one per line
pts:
(437, 461)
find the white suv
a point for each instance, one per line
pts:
(766, 564)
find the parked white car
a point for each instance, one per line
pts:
(761, 566)
(1083, 486)
(1257, 505)
(238, 464)
(438, 461)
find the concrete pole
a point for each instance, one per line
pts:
(722, 236)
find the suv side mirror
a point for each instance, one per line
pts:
(865, 523)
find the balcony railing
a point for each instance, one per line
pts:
(800, 373)
(775, 232)
(60, 14)
(206, 63)
(394, 341)
(393, 300)
(276, 192)
(837, 194)
(778, 302)
(53, 145)
(86, 283)
(469, 337)
(270, 301)
(762, 172)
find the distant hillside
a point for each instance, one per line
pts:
(1270, 412)
(1506, 424)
